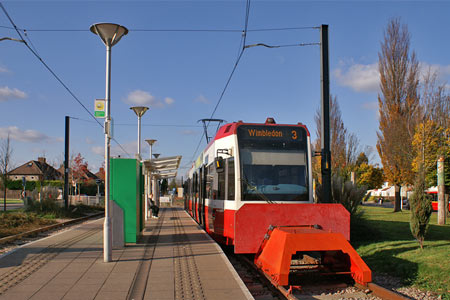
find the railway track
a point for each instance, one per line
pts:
(188, 282)
(262, 288)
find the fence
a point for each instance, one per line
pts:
(87, 200)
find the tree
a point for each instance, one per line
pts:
(369, 176)
(362, 159)
(164, 186)
(79, 168)
(421, 209)
(5, 165)
(344, 145)
(430, 142)
(398, 106)
(172, 184)
(432, 137)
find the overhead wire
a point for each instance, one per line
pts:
(143, 124)
(168, 30)
(282, 46)
(53, 73)
(242, 43)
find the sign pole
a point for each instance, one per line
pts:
(66, 164)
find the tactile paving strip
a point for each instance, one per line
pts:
(36, 261)
(188, 285)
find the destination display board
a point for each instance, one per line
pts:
(276, 133)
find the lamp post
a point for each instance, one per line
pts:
(110, 35)
(139, 111)
(149, 179)
(150, 143)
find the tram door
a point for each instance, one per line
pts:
(202, 196)
(195, 196)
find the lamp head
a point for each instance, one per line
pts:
(156, 155)
(139, 110)
(150, 142)
(109, 33)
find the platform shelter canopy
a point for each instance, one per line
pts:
(163, 167)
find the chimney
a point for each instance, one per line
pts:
(42, 160)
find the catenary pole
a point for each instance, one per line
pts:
(325, 122)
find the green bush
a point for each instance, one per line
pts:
(345, 193)
(421, 209)
(17, 185)
(90, 189)
(31, 185)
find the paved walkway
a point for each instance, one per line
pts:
(176, 260)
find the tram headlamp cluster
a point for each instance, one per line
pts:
(219, 164)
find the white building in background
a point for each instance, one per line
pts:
(388, 191)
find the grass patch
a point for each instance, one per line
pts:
(11, 201)
(17, 222)
(384, 241)
(39, 215)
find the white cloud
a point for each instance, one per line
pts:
(130, 148)
(373, 105)
(201, 99)
(6, 93)
(169, 101)
(3, 70)
(32, 136)
(89, 141)
(143, 98)
(189, 132)
(442, 72)
(361, 78)
(100, 150)
(366, 78)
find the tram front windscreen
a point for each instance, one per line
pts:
(273, 163)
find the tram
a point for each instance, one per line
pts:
(252, 183)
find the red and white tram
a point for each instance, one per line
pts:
(251, 176)
(252, 188)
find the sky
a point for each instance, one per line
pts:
(177, 58)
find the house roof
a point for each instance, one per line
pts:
(36, 167)
(85, 173)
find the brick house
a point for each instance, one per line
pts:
(35, 170)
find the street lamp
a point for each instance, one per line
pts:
(149, 179)
(156, 155)
(110, 35)
(150, 143)
(139, 111)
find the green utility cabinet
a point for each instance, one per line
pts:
(127, 192)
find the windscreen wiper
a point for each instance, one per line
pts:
(255, 189)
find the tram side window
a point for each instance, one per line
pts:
(195, 185)
(209, 178)
(230, 172)
(221, 191)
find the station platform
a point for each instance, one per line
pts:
(175, 259)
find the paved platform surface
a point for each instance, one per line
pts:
(174, 260)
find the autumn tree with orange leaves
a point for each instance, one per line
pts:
(399, 106)
(344, 145)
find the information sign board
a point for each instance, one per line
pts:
(99, 111)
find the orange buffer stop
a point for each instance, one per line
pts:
(281, 243)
